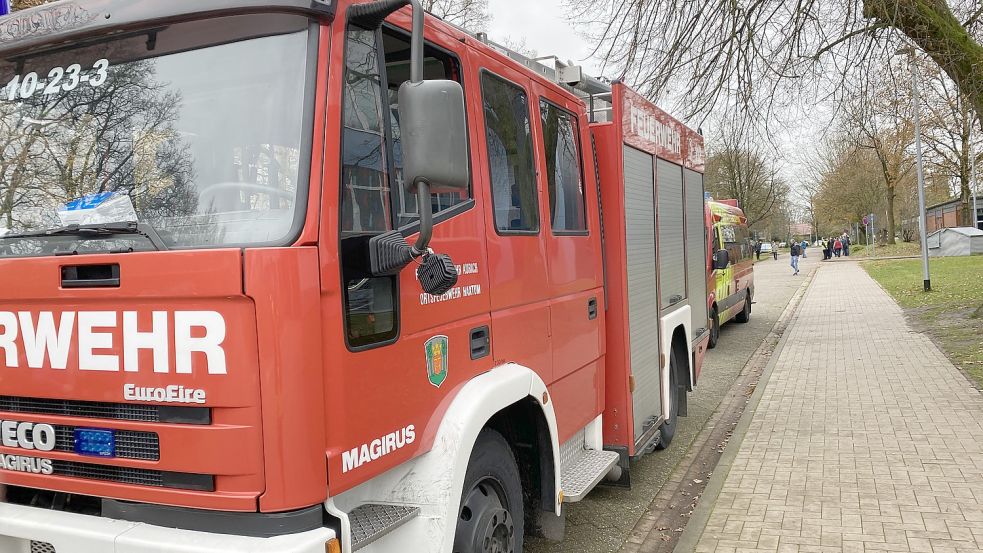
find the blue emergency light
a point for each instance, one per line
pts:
(93, 442)
(4, 7)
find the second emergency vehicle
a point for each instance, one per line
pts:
(730, 265)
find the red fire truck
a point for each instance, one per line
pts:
(321, 275)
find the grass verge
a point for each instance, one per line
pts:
(952, 313)
(901, 249)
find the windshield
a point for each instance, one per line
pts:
(200, 131)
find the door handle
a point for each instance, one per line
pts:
(480, 342)
(592, 309)
(90, 276)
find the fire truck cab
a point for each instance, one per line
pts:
(324, 275)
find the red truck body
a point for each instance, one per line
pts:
(277, 379)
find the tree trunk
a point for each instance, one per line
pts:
(933, 27)
(890, 214)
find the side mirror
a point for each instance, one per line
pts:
(434, 135)
(721, 260)
(434, 138)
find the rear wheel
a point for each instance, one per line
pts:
(745, 314)
(668, 430)
(491, 515)
(714, 328)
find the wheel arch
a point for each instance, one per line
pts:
(681, 337)
(499, 399)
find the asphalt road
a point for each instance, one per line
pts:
(602, 522)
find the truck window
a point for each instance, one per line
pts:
(370, 303)
(563, 174)
(513, 175)
(374, 199)
(201, 130)
(436, 65)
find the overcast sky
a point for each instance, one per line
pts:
(544, 27)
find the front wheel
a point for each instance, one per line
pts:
(491, 515)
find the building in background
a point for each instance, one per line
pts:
(949, 215)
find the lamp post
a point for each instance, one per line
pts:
(922, 223)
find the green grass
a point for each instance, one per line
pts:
(901, 249)
(952, 313)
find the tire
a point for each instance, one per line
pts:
(668, 430)
(491, 515)
(745, 314)
(714, 328)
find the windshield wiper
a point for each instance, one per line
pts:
(95, 232)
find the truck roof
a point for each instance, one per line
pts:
(73, 20)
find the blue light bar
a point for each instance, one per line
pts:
(4, 7)
(92, 442)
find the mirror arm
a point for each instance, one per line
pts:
(426, 217)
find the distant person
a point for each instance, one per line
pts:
(774, 249)
(837, 247)
(757, 250)
(805, 246)
(827, 249)
(846, 244)
(796, 251)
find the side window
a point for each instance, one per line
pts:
(732, 242)
(564, 177)
(436, 65)
(370, 303)
(510, 155)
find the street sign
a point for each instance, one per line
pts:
(4, 7)
(866, 221)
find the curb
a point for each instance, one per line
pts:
(697, 525)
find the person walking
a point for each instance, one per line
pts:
(757, 249)
(846, 244)
(796, 251)
(774, 249)
(837, 247)
(805, 246)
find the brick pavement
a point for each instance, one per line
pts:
(866, 438)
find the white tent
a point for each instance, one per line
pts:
(955, 241)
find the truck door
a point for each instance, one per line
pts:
(517, 277)
(403, 351)
(573, 261)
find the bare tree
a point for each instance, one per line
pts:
(950, 137)
(470, 14)
(747, 51)
(740, 170)
(882, 123)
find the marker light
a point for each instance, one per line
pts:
(95, 443)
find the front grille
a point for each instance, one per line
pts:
(138, 477)
(42, 547)
(90, 409)
(102, 410)
(144, 446)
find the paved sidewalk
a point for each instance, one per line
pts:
(866, 438)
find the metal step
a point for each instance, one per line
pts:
(585, 470)
(372, 521)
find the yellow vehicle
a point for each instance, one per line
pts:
(730, 265)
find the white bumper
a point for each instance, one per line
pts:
(73, 533)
